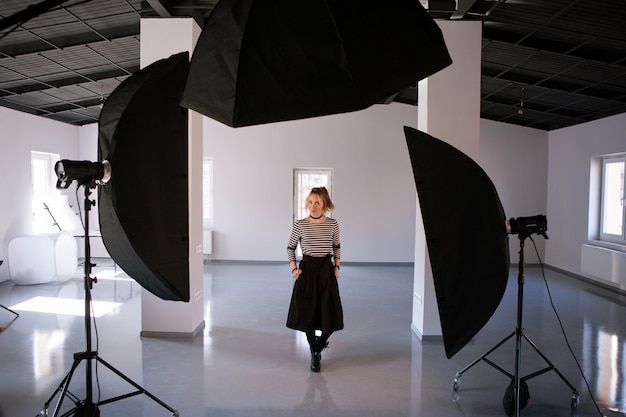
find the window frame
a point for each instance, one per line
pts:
(207, 192)
(602, 235)
(43, 187)
(302, 187)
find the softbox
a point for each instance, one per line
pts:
(466, 236)
(266, 61)
(143, 208)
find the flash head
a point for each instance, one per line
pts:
(85, 173)
(526, 226)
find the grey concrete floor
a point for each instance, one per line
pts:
(247, 363)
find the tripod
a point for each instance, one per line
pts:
(519, 335)
(3, 328)
(87, 407)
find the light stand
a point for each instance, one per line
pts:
(87, 407)
(519, 334)
(3, 328)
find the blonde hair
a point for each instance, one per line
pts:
(323, 193)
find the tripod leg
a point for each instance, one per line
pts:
(140, 389)
(575, 396)
(457, 377)
(3, 328)
(63, 389)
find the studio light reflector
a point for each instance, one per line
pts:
(267, 61)
(144, 209)
(466, 236)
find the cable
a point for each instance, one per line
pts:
(543, 274)
(80, 212)
(97, 376)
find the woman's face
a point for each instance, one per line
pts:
(315, 205)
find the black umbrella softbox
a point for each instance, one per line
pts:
(466, 236)
(266, 61)
(143, 210)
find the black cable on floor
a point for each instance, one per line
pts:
(543, 274)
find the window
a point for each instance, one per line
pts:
(44, 188)
(207, 192)
(612, 212)
(303, 180)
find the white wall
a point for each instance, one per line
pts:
(373, 186)
(21, 134)
(570, 153)
(516, 160)
(88, 142)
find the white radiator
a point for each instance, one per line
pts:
(207, 242)
(607, 264)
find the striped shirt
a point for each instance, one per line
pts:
(318, 240)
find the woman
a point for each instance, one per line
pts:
(315, 303)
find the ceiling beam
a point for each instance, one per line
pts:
(573, 49)
(192, 9)
(181, 8)
(450, 9)
(561, 84)
(62, 42)
(36, 86)
(159, 7)
(71, 105)
(29, 13)
(462, 7)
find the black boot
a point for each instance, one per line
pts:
(316, 358)
(316, 353)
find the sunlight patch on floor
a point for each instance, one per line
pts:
(72, 307)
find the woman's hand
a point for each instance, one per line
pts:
(295, 273)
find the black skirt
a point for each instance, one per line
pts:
(315, 302)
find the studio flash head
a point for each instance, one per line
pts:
(86, 173)
(526, 226)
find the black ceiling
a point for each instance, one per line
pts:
(565, 59)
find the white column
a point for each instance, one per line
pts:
(161, 38)
(448, 109)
